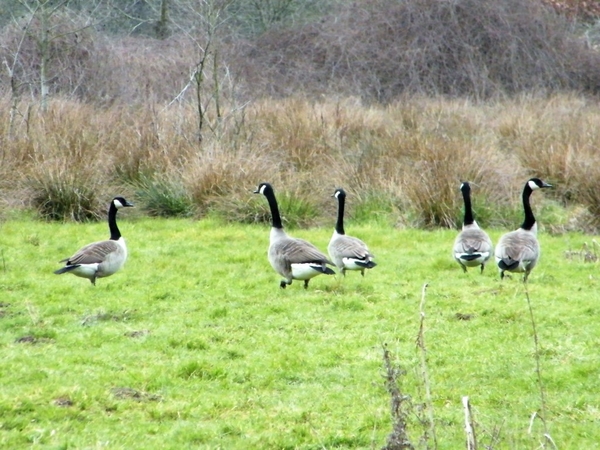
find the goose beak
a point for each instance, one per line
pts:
(256, 192)
(546, 185)
(128, 204)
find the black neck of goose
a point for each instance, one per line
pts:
(115, 234)
(339, 225)
(468, 219)
(529, 221)
(274, 209)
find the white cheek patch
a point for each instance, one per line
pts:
(117, 203)
(533, 185)
(337, 194)
(262, 189)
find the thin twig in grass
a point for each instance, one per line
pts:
(424, 372)
(539, 376)
(3, 261)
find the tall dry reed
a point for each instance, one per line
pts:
(405, 160)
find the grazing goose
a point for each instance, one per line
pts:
(347, 252)
(103, 258)
(293, 259)
(472, 246)
(519, 250)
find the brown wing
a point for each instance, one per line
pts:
(472, 241)
(518, 246)
(351, 247)
(300, 251)
(93, 253)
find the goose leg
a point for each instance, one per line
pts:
(305, 284)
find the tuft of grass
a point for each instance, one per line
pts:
(164, 196)
(64, 197)
(201, 371)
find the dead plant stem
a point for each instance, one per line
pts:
(424, 371)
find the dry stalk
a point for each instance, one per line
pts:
(469, 426)
(542, 415)
(424, 372)
(398, 438)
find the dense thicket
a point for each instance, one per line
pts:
(375, 49)
(380, 49)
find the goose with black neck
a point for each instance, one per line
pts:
(292, 258)
(103, 258)
(472, 247)
(519, 250)
(348, 252)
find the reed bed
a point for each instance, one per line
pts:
(403, 162)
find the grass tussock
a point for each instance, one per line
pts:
(404, 161)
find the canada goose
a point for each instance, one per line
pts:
(347, 252)
(519, 250)
(472, 247)
(103, 258)
(293, 259)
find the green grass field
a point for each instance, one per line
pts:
(194, 345)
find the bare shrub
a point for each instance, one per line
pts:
(141, 70)
(94, 67)
(379, 50)
(71, 54)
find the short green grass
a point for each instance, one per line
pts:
(194, 345)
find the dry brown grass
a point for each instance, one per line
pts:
(407, 158)
(557, 139)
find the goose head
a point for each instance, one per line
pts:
(536, 183)
(264, 188)
(120, 202)
(339, 193)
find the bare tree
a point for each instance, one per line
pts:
(48, 24)
(208, 18)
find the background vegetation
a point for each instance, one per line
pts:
(385, 99)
